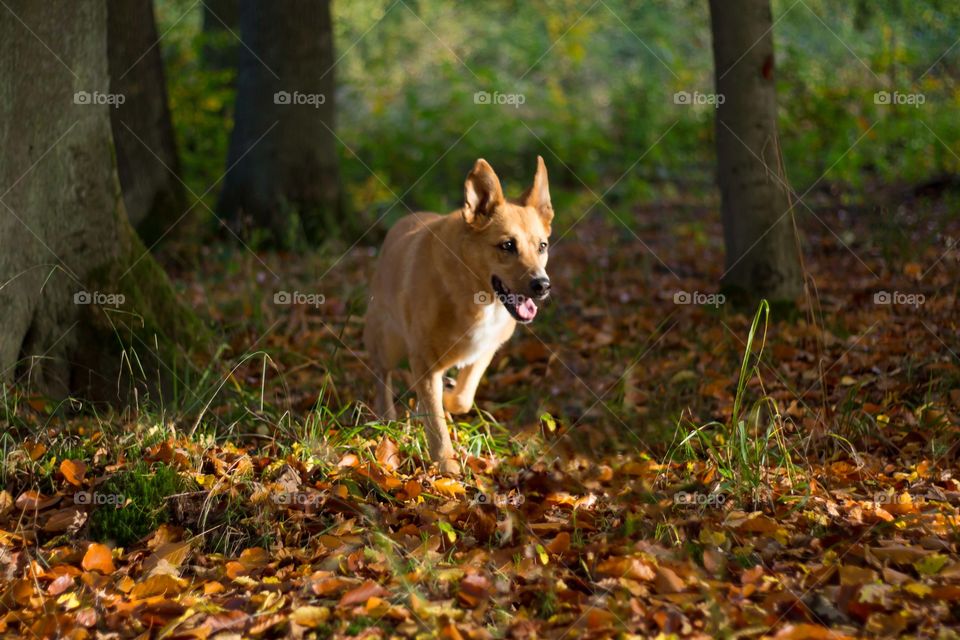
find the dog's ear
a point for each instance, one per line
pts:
(482, 194)
(538, 195)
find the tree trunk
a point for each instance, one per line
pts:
(220, 17)
(142, 129)
(286, 176)
(84, 309)
(761, 251)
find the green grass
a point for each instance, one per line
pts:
(143, 507)
(752, 441)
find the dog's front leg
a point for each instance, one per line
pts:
(430, 394)
(460, 398)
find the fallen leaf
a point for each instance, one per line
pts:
(98, 558)
(361, 594)
(310, 616)
(73, 471)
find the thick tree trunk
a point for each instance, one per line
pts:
(761, 249)
(142, 128)
(286, 176)
(84, 309)
(220, 17)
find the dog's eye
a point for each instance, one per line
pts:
(509, 246)
(543, 247)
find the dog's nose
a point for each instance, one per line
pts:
(540, 286)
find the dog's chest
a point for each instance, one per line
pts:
(486, 334)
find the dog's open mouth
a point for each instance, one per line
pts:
(521, 307)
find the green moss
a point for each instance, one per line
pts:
(133, 503)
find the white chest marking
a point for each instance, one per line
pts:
(485, 334)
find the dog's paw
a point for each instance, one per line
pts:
(450, 467)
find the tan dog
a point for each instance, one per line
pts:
(449, 290)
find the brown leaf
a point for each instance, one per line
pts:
(474, 589)
(173, 552)
(158, 585)
(60, 585)
(35, 501)
(361, 594)
(62, 519)
(73, 471)
(98, 558)
(560, 544)
(667, 581)
(388, 455)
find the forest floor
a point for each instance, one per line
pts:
(625, 475)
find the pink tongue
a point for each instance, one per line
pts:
(527, 309)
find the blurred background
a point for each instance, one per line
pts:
(597, 82)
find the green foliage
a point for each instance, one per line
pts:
(597, 85)
(143, 507)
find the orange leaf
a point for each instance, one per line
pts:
(73, 471)
(448, 486)
(412, 489)
(361, 594)
(98, 558)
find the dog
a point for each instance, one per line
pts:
(449, 290)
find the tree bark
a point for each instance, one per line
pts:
(142, 129)
(284, 177)
(67, 250)
(761, 251)
(220, 17)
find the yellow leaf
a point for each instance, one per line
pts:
(68, 601)
(449, 486)
(542, 553)
(310, 616)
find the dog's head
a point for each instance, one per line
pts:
(509, 243)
